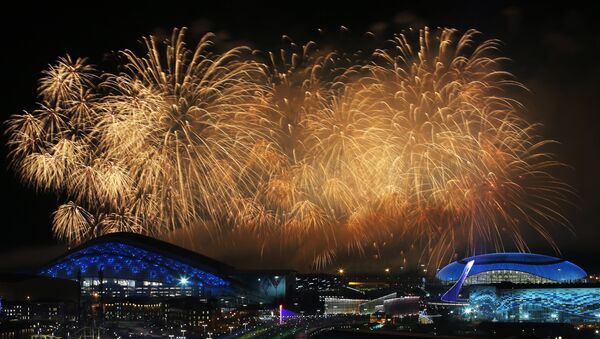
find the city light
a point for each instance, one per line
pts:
(203, 184)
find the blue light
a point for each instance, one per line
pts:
(561, 304)
(121, 260)
(184, 281)
(539, 265)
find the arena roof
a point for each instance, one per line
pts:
(137, 265)
(544, 266)
(134, 255)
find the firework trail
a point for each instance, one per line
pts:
(416, 142)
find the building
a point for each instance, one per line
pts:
(392, 305)
(343, 306)
(313, 289)
(28, 299)
(376, 305)
(520, 287)
(126, 265)
(402, 306)
(130, 283)
(513, 267)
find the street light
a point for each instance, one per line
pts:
(341, 271)
(387, 270)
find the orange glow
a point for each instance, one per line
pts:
(417, 140)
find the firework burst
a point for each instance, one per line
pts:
(416, 143)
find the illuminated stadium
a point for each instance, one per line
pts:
(512, 267)
(132, 265)
(520, 287)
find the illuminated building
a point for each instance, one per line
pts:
(125, 265)
(132, 281)
(37, 299)
(520, 287)
(376, 305)
(513, 267)
(343, 306)
(402, 306)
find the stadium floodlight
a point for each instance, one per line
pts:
(184, 281)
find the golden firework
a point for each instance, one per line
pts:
(417, 143)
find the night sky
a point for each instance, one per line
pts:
(555, 52)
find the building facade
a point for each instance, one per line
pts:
(517, 268)
(125, 265)
(521, 287)
(343, 306)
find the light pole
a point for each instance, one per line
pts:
(183, 333)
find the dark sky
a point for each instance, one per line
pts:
(555, 52)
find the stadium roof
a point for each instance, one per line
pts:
(544, 266)
(137, 256)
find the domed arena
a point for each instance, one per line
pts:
(512, 267)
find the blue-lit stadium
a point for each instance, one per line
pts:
(512, 267)
(125, 265)
(520, 287)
